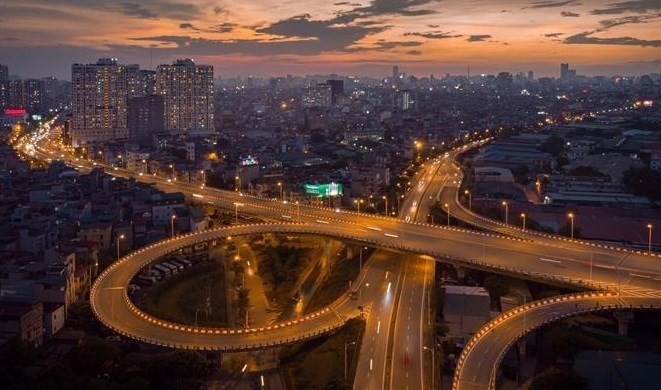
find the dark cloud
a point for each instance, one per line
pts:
(639, 6)
(633, 19)
(586, 38)
(15, 12)
(296, 35)
(221, 28)
(433, 26)
(653, 62)
(382, 45)
(385, 7)
(148, 9)
(301, 26)
(554, 35)
(137, 10)
(434, 34)
(551, 4)
(217, 10)
(568, 14)
(478, 38)
(414, 52)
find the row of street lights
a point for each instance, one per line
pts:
(571, 215)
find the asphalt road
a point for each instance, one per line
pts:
(481, 357)
(633, 273)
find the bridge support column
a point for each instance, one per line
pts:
(624, 318)
(350, 251)
(461, 271)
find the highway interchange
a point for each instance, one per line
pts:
(633, 276)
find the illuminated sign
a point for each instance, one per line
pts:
(15, 112)
(321, 190)
(248, 161)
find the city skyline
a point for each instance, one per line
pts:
(360, 37)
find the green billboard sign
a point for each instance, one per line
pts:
(321, 190)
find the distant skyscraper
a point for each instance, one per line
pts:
(564, 71)
(319, 95)
(50, 93)
(531, 75)
(15, 93)
(33, 96)
(99, 101)
(405, 100)
(188, 93)
(337, 89)
(4, 73)
(395, 73)
(146, 116)
(4, 87)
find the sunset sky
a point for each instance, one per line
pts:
(365, 37)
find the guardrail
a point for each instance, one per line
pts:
(151, 253)
(655, 303)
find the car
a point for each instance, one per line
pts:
(296, 298)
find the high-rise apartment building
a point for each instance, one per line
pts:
(146, 117)
(319, 95)
(566, 73)
(34, 96)
(187, 90)
(4, 73)
(99, 101)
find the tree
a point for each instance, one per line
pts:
(553, 145)
(441, 329)
(643, 181)
(559, 381)
(496, 285)
(94, 354)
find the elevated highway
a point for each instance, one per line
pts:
(633, 278)
(110, 302)
(477, 367)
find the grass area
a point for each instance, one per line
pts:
(335, 284)
(319, 363)
(281, 261)
(178, 297)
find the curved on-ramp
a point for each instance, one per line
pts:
(111, 304)
(478, 363)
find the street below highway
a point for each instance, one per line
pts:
(635, 275)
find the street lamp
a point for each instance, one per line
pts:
(280, 185)
(398, 198)
(298, 211)
(470, 199)
(237, 183)
(523, 216)
(120, 237)
(506, 210)
(447, 206)
(358, 202)
(172, 223)
(236, 212)
(433, 363)
(386, 199)
(345, 356)
(571, 220)
(649, 238)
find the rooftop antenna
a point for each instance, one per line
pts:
(151, 58)
(469, 74)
